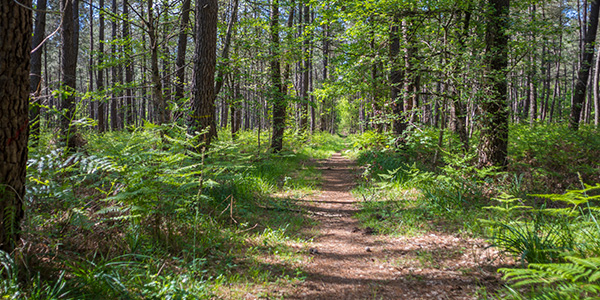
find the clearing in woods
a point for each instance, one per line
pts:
(351, 262)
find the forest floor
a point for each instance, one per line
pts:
(348, 261)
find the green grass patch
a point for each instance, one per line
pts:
(139, 215)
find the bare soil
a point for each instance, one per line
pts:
(352, 262)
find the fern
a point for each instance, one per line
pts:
(576, 279)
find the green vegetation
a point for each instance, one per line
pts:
(542, 210)
(139, 215)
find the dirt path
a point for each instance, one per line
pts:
(350, 262)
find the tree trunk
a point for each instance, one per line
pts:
(533, 76)
(100, 79)
(305, 68)
(396, 80)
(279, 103)
(493, 146)
(596, 92)
(157, 95)
(226, 47)
(324, 106)
(36, 69)
(129, 105)
(69, 47)
(114, 116)
(90, 89)
(584, 69)
(205, 59)
(181, 50)
(14, 106)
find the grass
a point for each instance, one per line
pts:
(423, 186)
(137, 215)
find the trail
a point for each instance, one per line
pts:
(350, 262)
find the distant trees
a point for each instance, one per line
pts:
(343, 65)
(14, 108)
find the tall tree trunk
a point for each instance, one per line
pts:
(14, 106)
(396, 79)
(596, 92)
(493, 146)
(69, 47)
(181, 50)
(226, 47)
(279, 103)
(165, 65)
(101, 71)
(533, 76)
(116, 95)
(36, 69)
(205, 60)
(92, 103)
(324, 106)
(157, 94)
(305, 68)
(129, 105)
(584, 69)
(375, 107)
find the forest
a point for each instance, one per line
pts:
(299, 149)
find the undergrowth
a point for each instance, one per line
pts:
(421, 183)
(140, 215)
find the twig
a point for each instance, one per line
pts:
(248, 229)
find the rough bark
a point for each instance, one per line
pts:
(203, 83)
(157, 94)
(69, 47)
(129, 109)
(493, 146)
(36, 69)
(116, 95)
(90, 87)
(584, 68)
(324, 108)
(227, 45)
(181, 50)
(396, 79)
(596, 91)
(101, 71)
(305, 68)
(14, 105)
(279, 103)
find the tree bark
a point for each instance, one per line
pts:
(114, 116)
(129, 104)
(324, 106)
(181, 50)
(69, 47)
(157, 94)
(493, 146)
(396, 80)
(92, 104)
(36, 69)
(205, 60)
(227, 45)
(279, 103)
(596, 92)
(584, 69)
(101, 71)
(14, 106)
(305, 68)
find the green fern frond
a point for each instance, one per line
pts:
(576, 279)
